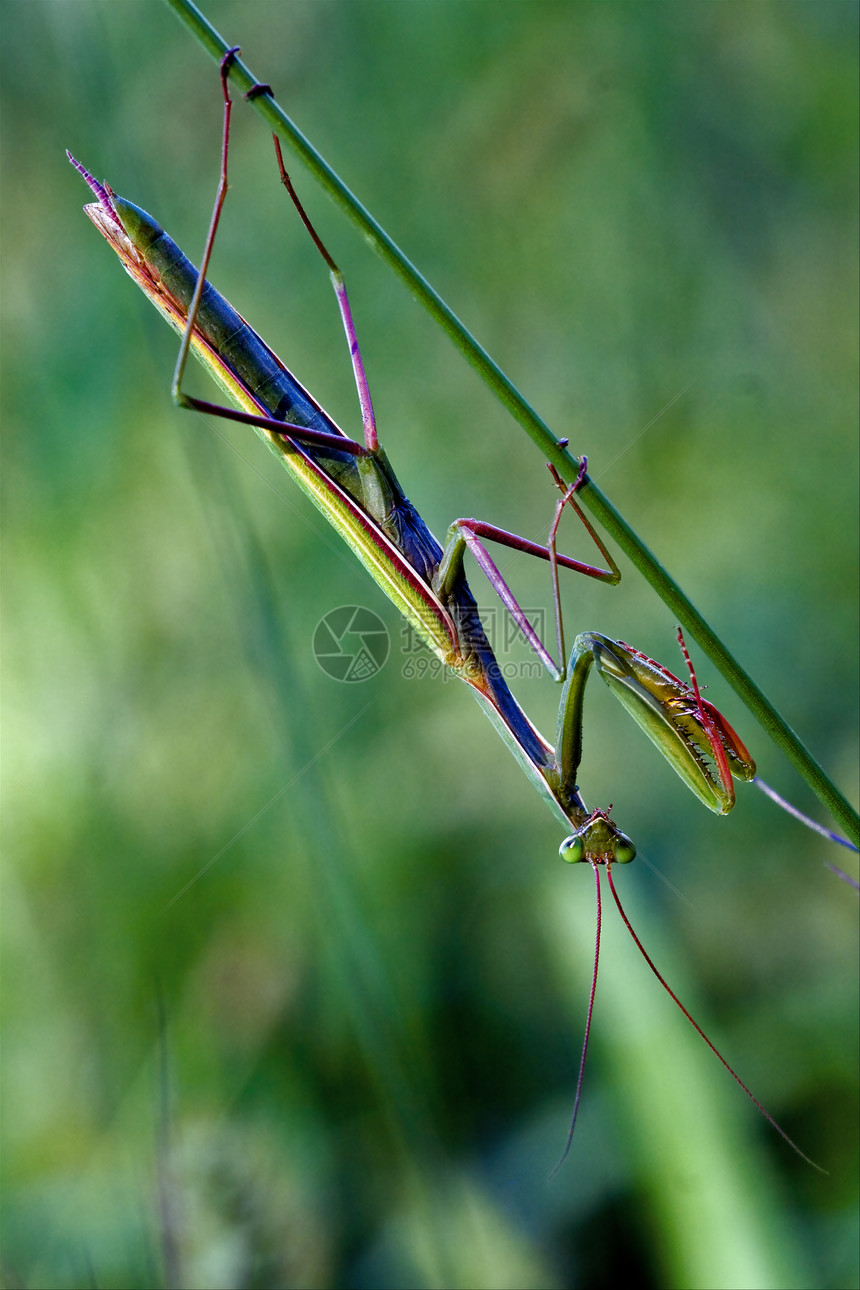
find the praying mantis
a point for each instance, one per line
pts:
(354, 486)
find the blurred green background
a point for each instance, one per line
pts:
(345, 1054)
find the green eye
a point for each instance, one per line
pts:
(572, 849)
(624, 850)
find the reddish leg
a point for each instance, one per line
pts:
(469, 533)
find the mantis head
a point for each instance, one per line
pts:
(597, 841)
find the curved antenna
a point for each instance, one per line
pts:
(767, 1115)
(587, 1034)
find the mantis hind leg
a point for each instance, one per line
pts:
(302, 434)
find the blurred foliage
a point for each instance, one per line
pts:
(294, 985)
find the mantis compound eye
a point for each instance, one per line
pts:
(624, 850)
(572, 849)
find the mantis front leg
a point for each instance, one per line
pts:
(691, 733)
